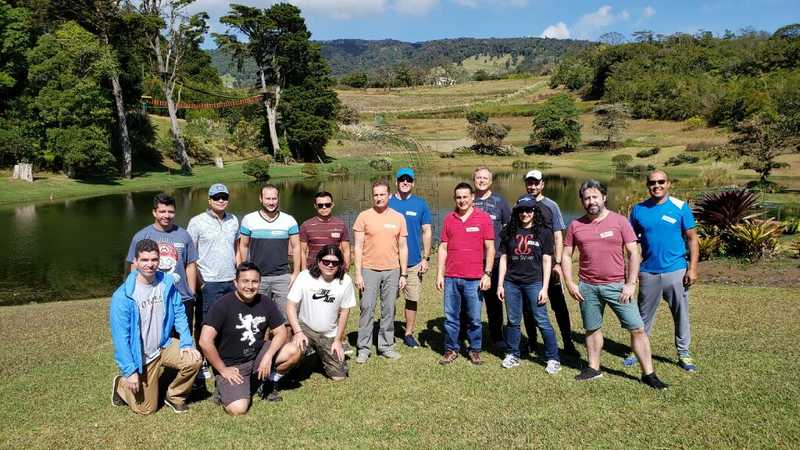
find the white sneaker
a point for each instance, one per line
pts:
(510, 361)
(362, 357)
(391, 354)
(553, 367)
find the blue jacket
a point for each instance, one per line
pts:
(124, 319)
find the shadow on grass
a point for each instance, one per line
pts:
(616, 348)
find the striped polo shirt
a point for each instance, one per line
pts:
(269, 241)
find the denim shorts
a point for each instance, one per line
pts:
(595, 298)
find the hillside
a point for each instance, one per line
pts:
(494, 55)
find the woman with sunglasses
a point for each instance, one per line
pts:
(325, 295)
(526, 249)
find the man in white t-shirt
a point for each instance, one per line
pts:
(325, 295)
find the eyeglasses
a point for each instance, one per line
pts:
(218, 197)
(656, 182)
(329, 262)
(323, 205)
(405, 179)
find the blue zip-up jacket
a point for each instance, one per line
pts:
(124, 320)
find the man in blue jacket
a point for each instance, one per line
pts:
(143, 313)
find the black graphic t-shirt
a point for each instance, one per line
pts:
(524, 255)
(241, 327)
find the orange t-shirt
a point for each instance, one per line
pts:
(382, 231)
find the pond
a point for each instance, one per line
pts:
(75, 249)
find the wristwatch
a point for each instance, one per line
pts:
(404, 275)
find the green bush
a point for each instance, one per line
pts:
(621, 161)
(309, 169)
(695, 123)
(246, 136)
(381, 164)
(477, 117)
(347, 115)
(648, 153)
(444, 155)
(700, 146)
(682, 158)
(257, 168)
(337, 169)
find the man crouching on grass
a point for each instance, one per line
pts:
(244, 340)
(143, 313)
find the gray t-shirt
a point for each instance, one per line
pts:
(150, 300)
(176, 250)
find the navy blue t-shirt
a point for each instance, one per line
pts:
(497, 208)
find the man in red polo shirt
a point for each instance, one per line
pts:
(466, 255)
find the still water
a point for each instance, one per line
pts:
(75, 249)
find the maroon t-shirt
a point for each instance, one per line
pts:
(317, 233)
(601, 245)
(465, 243)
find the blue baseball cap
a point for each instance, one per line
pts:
(405, 171)
(525, 202)
(217, 188)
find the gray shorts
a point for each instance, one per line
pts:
(229, 392)
(276, 287)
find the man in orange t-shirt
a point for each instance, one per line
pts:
(381, 260)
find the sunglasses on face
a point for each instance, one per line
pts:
(656, 182)
(324, 205)
(330, 262)
(405, 179)
(526, 210)
(218, 197)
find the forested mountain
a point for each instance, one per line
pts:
(348, 56)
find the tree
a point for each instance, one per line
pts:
(16, 37)
(611, 122)
(356, 80)
(761, 140)
(556, 125)
(277, 40)
(612, 38)
(170, 34)
(488, 137)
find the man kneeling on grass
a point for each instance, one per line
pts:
(244, 340)
(325, 294)
(143, 313)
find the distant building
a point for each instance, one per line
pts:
(444, 81)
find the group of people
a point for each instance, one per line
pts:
(259, 314)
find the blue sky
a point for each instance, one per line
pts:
(421, 20)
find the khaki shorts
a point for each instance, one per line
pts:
(413, 289)
(322, 346)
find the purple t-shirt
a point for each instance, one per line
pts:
(601, 245)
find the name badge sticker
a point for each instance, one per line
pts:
(411, 213)
(336, 235)
(389, 225)
(667, 218)
(472, 229)
(606, 234)
(494, 217)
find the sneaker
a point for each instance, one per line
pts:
(178, 408)
(199, 383)
(448, 357)
(206, 372)
(309, 350)
(687, 363)
(347, 349)
(391, 354)
(475, 358)
(630, 360)
(216, 398)
(116, 399)
(509, 362)
(269, 392)
(410, 341)
(362, 357)
(588, 374)
(553, 367)
(653, 381)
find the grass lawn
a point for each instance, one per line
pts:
(56, 366)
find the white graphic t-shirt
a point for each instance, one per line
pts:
(320, 301)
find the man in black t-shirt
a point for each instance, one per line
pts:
(244, 340)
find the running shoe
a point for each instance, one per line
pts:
(510, 361)
(588, 374)
(362, 357)
(553, 367)
(178, 408)
(652, 380)
(475, 358)
(391, 354)
(116, 399)
(687, 363)
(410, 341)
(630, 360)
(448, 357)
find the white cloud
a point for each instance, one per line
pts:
(557, 31)
(415, 7)
(591, 24)
(648, 12)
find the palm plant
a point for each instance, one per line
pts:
(726, 208)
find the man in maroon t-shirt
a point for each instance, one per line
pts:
(466, 257)
(602, 237)
(323, 229)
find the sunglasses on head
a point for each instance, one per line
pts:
(656, 182)
(329, 262)
(405, 179)
(218, 197)
(324, 205)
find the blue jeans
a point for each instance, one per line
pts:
(515, 295)
(213, 291)
(458, 292)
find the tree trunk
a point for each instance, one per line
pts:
(125, 142)
(272, 115)
(180, 146)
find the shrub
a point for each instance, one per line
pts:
(445, 155)
(476, 117)
(795, 247)
(638, 169)
(257, 168)
(791, 226)
(347, 115)
(523, 164)
(699, 147)
(754, 239)
(556, 125)
(648, 153)
(722, 210)
(681, 159)
(694, 123)
(309, 169)
(381, 164)
(715, 177)
(337, 169)
(245, 136)
(621, 161)
(709, 246)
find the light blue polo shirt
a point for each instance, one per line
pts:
(661, 230)
(415, 211)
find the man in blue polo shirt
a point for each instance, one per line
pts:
(418, 222)
(664, 226)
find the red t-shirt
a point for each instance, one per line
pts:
(465, 243)
(601, 245)
(317, 233)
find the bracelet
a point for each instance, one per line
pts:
(488, 273)
(404, 275)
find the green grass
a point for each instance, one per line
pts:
(56, 365)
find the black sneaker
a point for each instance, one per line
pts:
(588, 374)
(116, 399)
(269, 392)
(178, 408)
(653, 381)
